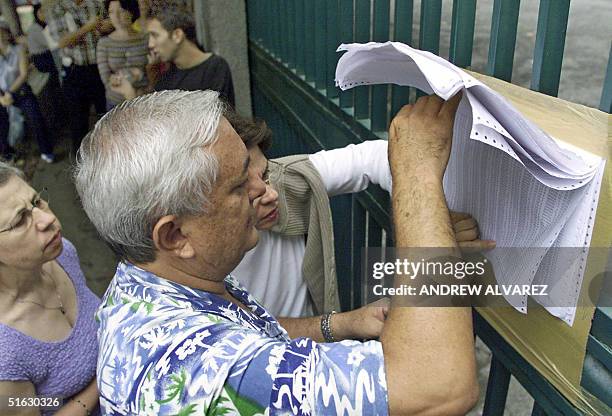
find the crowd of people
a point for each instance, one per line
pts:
(225, 299)
(108, 51)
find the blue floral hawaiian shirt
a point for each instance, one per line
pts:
(167, 349)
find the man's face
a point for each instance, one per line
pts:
(160, 41)
(227, 231)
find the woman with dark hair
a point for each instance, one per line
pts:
(123, 53)
(15, 91)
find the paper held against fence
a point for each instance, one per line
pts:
(525, 188)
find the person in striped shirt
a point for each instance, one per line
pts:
(123, 53)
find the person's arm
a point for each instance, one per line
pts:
(428, 352)
(71, 39)
(354, 167)
(363, 323)
(88, 395)
(14, 389)
(121, 85)
(24, 66)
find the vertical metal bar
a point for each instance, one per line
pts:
(346, 36)
(429, 33)
(462, 32)
(503, 38)
(291, 33)
(606, 94)
(274, 21)
(389, 241)
(550, 43)
(309, 40)
(286, 39)
(331, 43)
(537, 410)
(320, 47)
(362, 35)
(374, 240)
(402, 33)
(300, 35)
(265, 19)
(497, 389)
(272, 32)
(343, 229)
(374, 233)
(280, 40)
(358, 219)
(378, 113)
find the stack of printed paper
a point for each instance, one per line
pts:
(526, 190)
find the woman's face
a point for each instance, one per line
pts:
(266, 206)
(29, 237)
(118, 16)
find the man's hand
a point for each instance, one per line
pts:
(6, 100)
(467, 233)
(363, 323)
(120, 85)
(153, 58)
(91, 24)
(104, 26)
(420, 137)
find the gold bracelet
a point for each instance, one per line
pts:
(87, 412)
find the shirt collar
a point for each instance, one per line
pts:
(173, 294)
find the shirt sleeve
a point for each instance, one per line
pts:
(226, 85)
(304, 377)
(352, 168)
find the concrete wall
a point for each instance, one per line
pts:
(222, 29)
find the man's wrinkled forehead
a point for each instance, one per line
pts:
(231, 153)
(154, 26)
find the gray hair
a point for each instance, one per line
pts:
(146, 158)
(7, 172)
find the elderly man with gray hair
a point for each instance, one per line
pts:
(164, 179)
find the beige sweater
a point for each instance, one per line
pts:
(304, 210)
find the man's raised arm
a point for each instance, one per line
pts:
(429, 351)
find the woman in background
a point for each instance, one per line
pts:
(123, 53)
(50, 97)
(14, 90)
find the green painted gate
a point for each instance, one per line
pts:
(292, 60)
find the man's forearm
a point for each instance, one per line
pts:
(428, 351)
(421, 218)
(19, 81)
(72, 39)
(311, 327)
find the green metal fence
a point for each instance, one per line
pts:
(292, 59)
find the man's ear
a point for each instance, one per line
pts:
(178, 35)
(169, 238)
